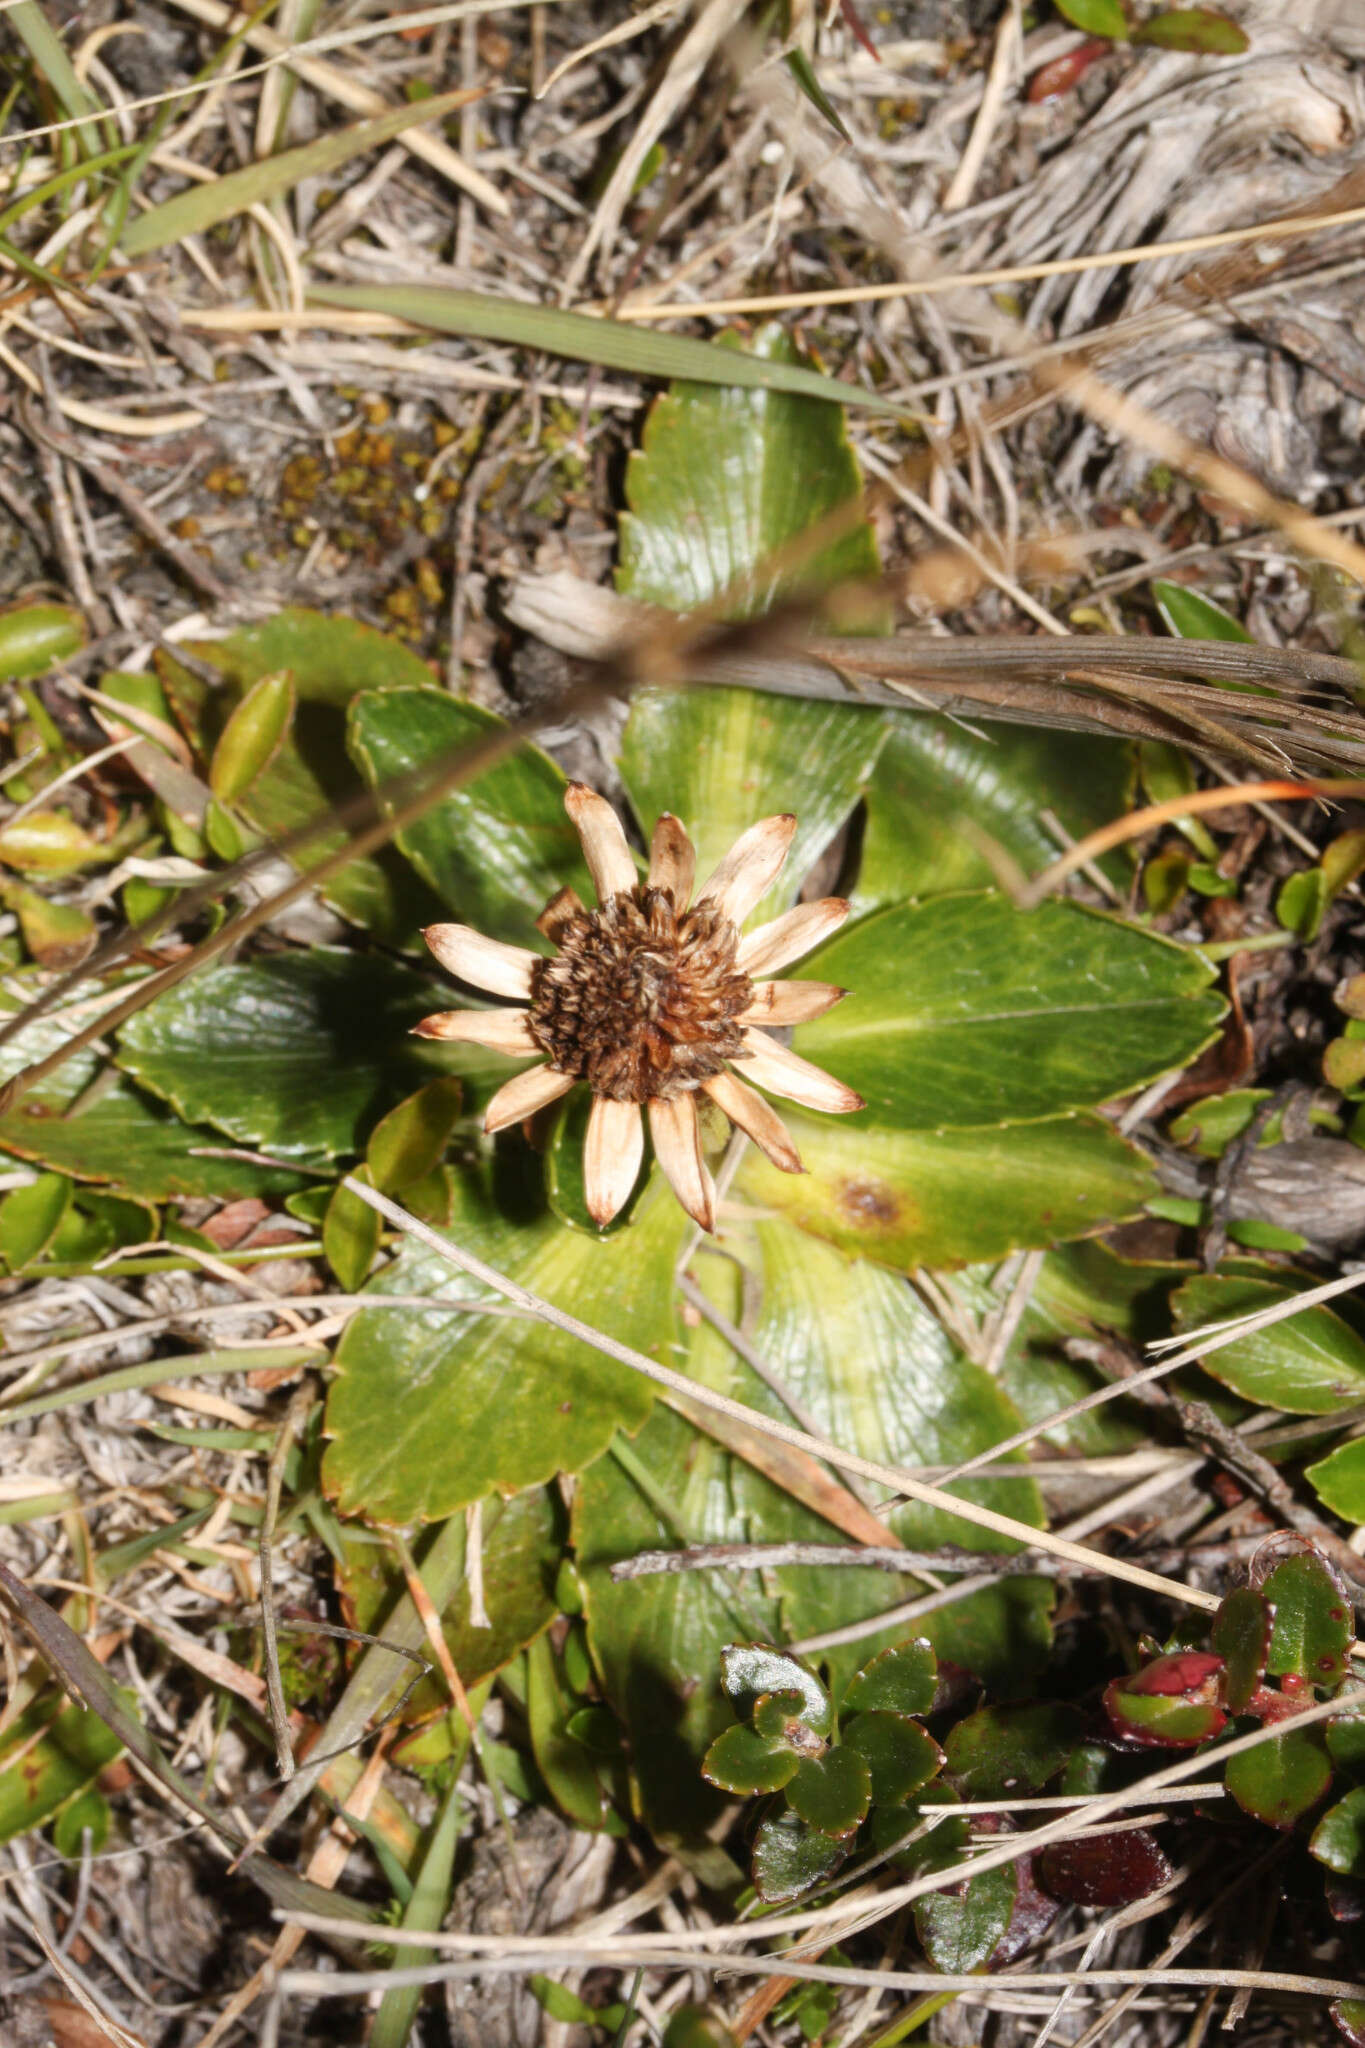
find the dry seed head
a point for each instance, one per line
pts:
(641, 1001)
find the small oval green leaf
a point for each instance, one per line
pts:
(33, 636)
(900, 1755)
(1096, 17)
(1339, 1837)
(410, 1142)
(790, 1857)
(902, 1680)
(743, 1762)
(350, 1235)
(832, 1792)
(31, 1217)
(1279, 1781)
(1201, 32)
(749, 1670)
(252, 736)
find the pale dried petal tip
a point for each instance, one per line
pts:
(483, 963)
(499, 1030)
(609, 858)
(774, 946)
(783, 1072)
(677, 1145)
(612, 1152)
(747, 1109)
(791, 1002)
(672, 860)
(523, 1095)
(750, 868)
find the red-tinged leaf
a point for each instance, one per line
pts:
(749, 1670)
(901, 1755)
(1064, 74)
(902, 1680)
(1186, 1671)
(1108, 1870)
(1161, 1720)
(1282, 1779)
(1267, 1705)
(1241, 1636)
(1034, 1912)
(832, 1792)
(740, 1761)
(1348, 2017)
(1196, 29)
(1312, 1623)
(1344, 1898)
(790, 1857)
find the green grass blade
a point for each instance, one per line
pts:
(73, 175)
(426, 1910)
(48, 52)
(611, 344)
(203, 206)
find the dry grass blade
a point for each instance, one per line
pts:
(993, 280)
(203, 206)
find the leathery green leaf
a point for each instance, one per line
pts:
(350, 1235)
(724, 481)
(431, 1408)
(1339, 1837)
(1340, 1480)
(721, 759)
(964, 1011)
(410, 1142)
(1310, 1363)
(658, 1641)
(114, 1132)
(945, 1198)
(790, 1856)
(1311, 1629)
(521, 1541)
(941, 798)
(1002, 1749)
(33, 636)
(498, 848)
(879, 1376)
(1241, 1637)
(298, 1053)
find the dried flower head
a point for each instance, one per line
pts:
(650, 998)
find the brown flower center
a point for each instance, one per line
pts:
(641, 1000)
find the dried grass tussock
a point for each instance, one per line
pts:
(362, 310)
